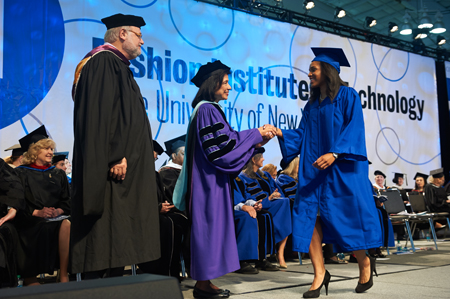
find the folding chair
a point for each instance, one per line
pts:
(395, 205)
(418, 205)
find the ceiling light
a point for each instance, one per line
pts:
(441, 40)
(339, 13)
(406, 28)
(370, 22)
(425, 21)
(308, 4)
(438, 25)
(392, 27)
(420, 33)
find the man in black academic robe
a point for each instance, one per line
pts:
(115, 209)
(437, 197)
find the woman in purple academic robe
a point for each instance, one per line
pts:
(334, 202)
(214, 153)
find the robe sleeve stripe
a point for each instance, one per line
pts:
(211, 129)
(290, 193)
(214, 141)
(261, 196)
(212, 156)
(251, 185)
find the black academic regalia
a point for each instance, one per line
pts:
(435, 198)
(114, 223)
(174, 227)
(11, 195)
(38, 239)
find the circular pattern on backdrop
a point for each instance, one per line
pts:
(24, 83)
(390, 145)
(194, 45)
(139, 6)
(378, 67)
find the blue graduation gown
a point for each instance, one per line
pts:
(254, 236)
(279, 208)
(288, 185)
(342, 192)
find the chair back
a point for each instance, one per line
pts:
(417, 201)
(394, 204)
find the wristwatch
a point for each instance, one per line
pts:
(335, 155)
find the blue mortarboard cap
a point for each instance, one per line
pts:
(173, 144)
(60, 156)
(260, 150)
(333, 56)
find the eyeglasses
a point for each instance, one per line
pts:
(139, 35)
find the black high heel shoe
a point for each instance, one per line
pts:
(362, 287)
(316, 293)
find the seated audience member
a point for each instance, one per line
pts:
(16, 155)
(330, 256)
(59, 161)
(171, 171)
(254, 232)
(436, 197)
(11, 200)
(379, 180)
(260, 185)
(398, 181)
(43, 234)
(173, 224)
(288, 180)
(272, 169)
(386, 229)
(421, 181)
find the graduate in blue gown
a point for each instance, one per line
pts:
(333, 173)
(260, 185)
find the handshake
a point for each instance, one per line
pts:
(268, 132)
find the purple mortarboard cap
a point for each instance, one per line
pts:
(17, 150)
(157, 147)
(119, 20)
(173, 144)
(60, 156)
(333, 56)
(38, 134)
(204, 72)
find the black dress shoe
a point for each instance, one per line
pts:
(203, 294)
(246, 268)
(316, 293)
(265, 265)
(362, 287)
(337, 262)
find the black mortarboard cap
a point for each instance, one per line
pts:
(157, 147)
(173, 144)
(437, 173)
(16, 150)
(60, 156)
(205, 71)
(377, 172)
(423, 175)
(119, 20)
(283, 164)
(333, 56)
(260, 150)
(33, 137)
(396, 176)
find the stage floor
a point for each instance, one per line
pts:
(424, 274)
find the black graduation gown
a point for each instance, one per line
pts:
(114, 223)
(38, 247)
(11, 195)
(435, 198)
(174, 227)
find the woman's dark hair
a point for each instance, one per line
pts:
(334, 82)
(209, 87)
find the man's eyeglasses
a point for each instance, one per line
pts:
(139, 35)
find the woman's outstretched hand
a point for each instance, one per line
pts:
(267, 132)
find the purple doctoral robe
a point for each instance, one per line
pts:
(214, 154)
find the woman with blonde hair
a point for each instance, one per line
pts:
(271, 169)
(43, 227)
